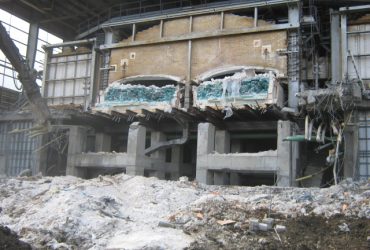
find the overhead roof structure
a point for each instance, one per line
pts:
(69, 18)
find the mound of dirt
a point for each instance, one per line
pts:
(225, 225)
(9, 240)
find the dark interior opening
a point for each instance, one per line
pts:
(257, 179)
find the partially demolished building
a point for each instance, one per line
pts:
(224, 92)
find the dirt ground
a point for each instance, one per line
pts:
(303, 232)
(9, 240)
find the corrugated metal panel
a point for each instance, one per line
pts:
(68, 79)
(363, 167)
(18, 148)
(359, 46)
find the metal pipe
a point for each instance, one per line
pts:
(170, 143)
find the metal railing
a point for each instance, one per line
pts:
(142, 9)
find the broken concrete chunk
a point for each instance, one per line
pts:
(344, 227)
(269, 222)
(253, 224)
(166, 224)
(263, 227)
(280, 228)
(25, 173)
(225, 222)
(184, 179)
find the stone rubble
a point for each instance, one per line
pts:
(126, 212)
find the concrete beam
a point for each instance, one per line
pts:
(252, 162)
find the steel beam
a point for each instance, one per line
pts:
(32, 44)
(336, 71)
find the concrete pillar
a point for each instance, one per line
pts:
(205, 176)
(234, 179)
(222, 142)
(205, 146)
(102, 142)
(350, 135)
(111, 36)
(2, 165)
(293, 15)
(206, 138)
(236, 146)
(41, 157)
(176, 162)
(287, 155)
(221, 178)
(156, 137)
(76, 145)
(136, 148)
(336, 72)
(159, 155)
(33, 34)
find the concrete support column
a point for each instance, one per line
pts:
(176, 162)
(159, 155)
(33, 35)
(206, 138)
(234, 178)
(236, 146)
(111, 36)
(350, 135)
(205, 146)
(102, 142)
(221, 178)
(2, 165)
(136, 148)
(222, 142)
(287, 155)
(77, 144)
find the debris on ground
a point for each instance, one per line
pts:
(9, 240)
(125, 212)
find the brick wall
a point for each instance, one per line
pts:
(255, 49)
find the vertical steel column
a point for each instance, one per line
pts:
(187, 85)
(336, 71)
(33, 35)
(255, 17)
(293, 57)
(344, 49)
(161, 29)
(222, 22)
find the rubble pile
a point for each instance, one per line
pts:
(124, 212)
